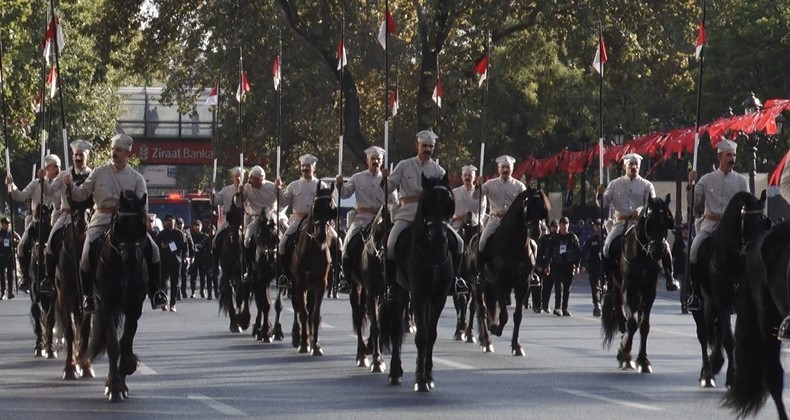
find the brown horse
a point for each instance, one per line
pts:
(310, 264)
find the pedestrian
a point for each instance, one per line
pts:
(172, 250)
(563, 257)
(542, 266)
(8, 241)
(201, 259)
(185, 262)
(591, 262)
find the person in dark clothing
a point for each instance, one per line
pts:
(679, 247)
(201, 259)
(211, 271)
(190, 253)
(542, 265)
(591, 262)
(8, 241)
(563, 257)
(173, 250)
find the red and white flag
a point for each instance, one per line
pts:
(244, 87)
(276, 75)
(37, 103)
(387, 27)
(437, 93)
(701, 39)
(600, 57)
(213, 97)
(394, 102)
(341, 55)
(52, 81)
(54, 33)
(481, 68)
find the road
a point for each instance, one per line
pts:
(193, 367)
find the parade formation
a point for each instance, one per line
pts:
(90, 252)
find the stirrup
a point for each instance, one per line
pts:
(534, 281)
(282, 281)
(158, 300)
(784, 329)
(89, 305)
(387, 295)
(45, 287)
(693, 303)
(480, 279)
(461, 288)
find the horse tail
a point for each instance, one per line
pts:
(391, 319)
(610, 318)
(225, 298)
(748, 393)
(97, 345)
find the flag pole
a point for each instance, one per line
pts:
(279, 88)
(7, 156)
(483, 137)
(385, 211)
(438, 107)
(341, 62)
(600, 139)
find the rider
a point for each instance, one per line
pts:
(712, 194)
(369, 194)
(79, 172)
(32, 192)
(626, 196)
(406, 179)
(500, 192)
(259, 194)
(107, 183)
(224, 198)
(300, 195)
(465, 202)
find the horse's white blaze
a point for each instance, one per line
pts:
(145, 370)
(610, 400)
(450, 363)
(212, 403)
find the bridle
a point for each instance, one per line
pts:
(744, 213)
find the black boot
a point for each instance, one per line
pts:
(158, 297)
(89, 301)
(24, 265)
(693, 303)
(46, 283)
(784, 329)
(672, 283)
(285, 273)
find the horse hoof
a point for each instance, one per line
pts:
(471, 339)
(489, 348)
(115, 396)
(421, 386)
(88, 372)
(318, 352)
(431, 384)
(379, 367)
(518, 352)
(278, 333)
(304, 349)
(235, 329)
(646, 368)
(628, 365)
(458, 336)
(707, 383)
(363, 362)
(70, 374)
(106, 390)
(52, 354)
(39, 353)
(394, 380)
(266, 339)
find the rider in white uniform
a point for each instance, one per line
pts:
(224, 198)
(465, 202)
(259, 194)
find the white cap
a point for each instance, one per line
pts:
(468, 169)
(505, 160)
(632, 157)
(308, 159)
(374, 151)
(726, 146)
(122, 141)
(257, 171)
(80, 146)
(427, 137)
(50, 159)
(235, 171)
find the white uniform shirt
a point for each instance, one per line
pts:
(256, 199)
(501, 193)
(32, 192)
(224, 197)
(59, 188)
(106, 183)
(465, 202)
(714, 191)
(406, 178)
(625, 196)
(300, 195)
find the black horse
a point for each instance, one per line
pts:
(42, 308)
(425, 269)
(465, 304)
(74, 324)
(720, 271)
(266, 239)
(367, 253)
(310, 265)
(762, 304)
(511, 256)
(234, 289)
(627, 306)
(121, 285)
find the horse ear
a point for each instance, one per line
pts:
(668, 200)
(762, 197)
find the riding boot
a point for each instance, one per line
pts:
(693, 303)
(784, 329)
(666, 260)
(346, 270)
(46, 283)
(158, 297)
(24, 265)
(89, 301)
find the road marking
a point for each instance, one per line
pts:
(325, 325)
(145, 370)
(222, 408)
(610, 400)
(450, 363)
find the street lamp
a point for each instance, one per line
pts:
(619, 134)
(752, 104)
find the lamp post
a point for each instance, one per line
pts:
(750, 106)
(618, 134)
(584, 143)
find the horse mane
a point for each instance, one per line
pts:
(428, 184)
(511, 228)
(730, 221)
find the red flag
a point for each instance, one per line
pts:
(394, 102)
(481, 68)
(213, 97)
(52, 81)
(54, 32)
(37, 103)
(244, 87)
(600, 57)
(341, 55)
(776, 176)
(701, 39)
(276, 75)
(387, 27)
(437, 93)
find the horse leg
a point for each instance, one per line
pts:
(421, 314)
(396, 311)
(357, 319)
(266, 326)
(315, 322)
(503, 295)
(49, 321)
(482, 320)
(258, 295)
(243, 305)
(377, 361)
(459, 301)
(706, 379)
(296, 299)
(624, 354)
(642, 362)
(728, 341)
(521, 298)
(278, 309)
(84, 359)
(435, 312)
(129, 361)
(304, 326)
(70, 370)
(112, 388)
(38, 329)
(470, 323)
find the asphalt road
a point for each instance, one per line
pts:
(193, 367)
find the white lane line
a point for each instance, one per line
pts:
(610, 400)
(325, 325)
(145, 370)
(450, 363)
(222, 408)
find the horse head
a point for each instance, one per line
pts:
(235, 214)
(129, 227)
(535, 208)
(652, 226)
(468, 228)
(266, 238)
(322, 212)
(436, 205)
(744, 220)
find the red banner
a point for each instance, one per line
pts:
(173, 152)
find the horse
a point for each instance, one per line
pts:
(42, 310)
(425, 270)
(465, 304)
(310, 265)
(367, 252)
(627, 306)
(762, 303)
(234, 289)
(266, 239)
(121, 285)
(720, 271)
(75, 325)
(511, 256)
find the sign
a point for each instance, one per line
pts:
(159, 175)
(173, 152)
